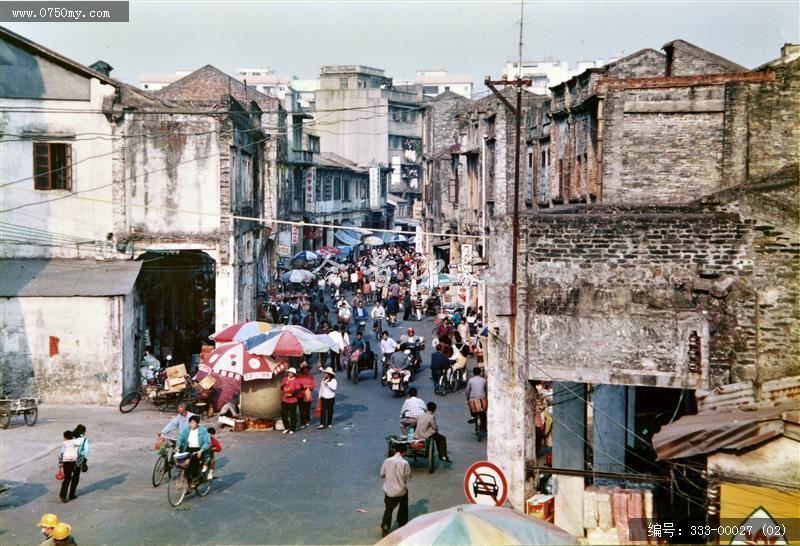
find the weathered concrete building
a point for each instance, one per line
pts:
(178, 184)
(372, 122)
(682, 280)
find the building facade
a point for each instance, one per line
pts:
(681, 279)
(179, 190)
(369, 120)
(436, 82)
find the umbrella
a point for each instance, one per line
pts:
(398, 239)
(478, 524)
(233, 360)
(442, 279)
(372, 240)
(305, 255)
(286, 342)
(242, 331)
(297, 276)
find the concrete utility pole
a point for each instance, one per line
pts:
(518, 83)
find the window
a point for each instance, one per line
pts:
(544, 158)
(447, 88)
(52, 166)
(345, 190)
(146, 86)
(337, 189)
(430, 89)
(342, 83)
(328, 187)
(313, 144)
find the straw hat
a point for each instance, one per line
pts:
(329, 370)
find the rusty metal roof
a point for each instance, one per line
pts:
(726, 430)
(67, 278)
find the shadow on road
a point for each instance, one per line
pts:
(20, 494)
(225, 481)
(419, 508)
(104, 485)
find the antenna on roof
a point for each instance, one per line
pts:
(521, 22)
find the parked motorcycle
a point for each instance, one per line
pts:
(432, 305)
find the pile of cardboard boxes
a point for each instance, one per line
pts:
(176, 379)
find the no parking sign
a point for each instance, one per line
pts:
(484, 483)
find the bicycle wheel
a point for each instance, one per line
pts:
(203, 488)
(160, 469)
(454, 382)
(129, 402)
(355, 372)
(31, 416)
(176, 488)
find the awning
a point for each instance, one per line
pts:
(67, 278)
(725, 429)
(347, 237)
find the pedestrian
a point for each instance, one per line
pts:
(47, 523)
(428, 428)
(322, 358)
(306, 381)
(290, 388)
(418, 306)
(62, 535)
(477, 400)
(82, 463)
(395, 473)
(338, 339)
(327, 397)
(67, 461)
(407, 305)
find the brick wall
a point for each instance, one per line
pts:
(614, 295)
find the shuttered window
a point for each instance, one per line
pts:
(52, 166)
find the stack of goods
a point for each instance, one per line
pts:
(176, 378)
(251, 423)
(609, 513)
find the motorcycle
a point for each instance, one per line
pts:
(415, 347)
(398, 384)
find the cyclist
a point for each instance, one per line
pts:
(196, 440)
(179, 423)
(439, 364)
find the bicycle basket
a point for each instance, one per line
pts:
(181, 458)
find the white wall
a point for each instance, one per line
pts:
(172, 173)
(71, 216)
(89, 365)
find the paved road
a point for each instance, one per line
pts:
(273, 488)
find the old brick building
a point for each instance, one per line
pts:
(682, 277)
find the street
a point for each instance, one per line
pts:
(314, 487)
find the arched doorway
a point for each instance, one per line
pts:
(176, 291)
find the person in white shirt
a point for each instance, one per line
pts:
(412, 408)
(327, 396)
(378, 315)
(388, 345)
(342, 339)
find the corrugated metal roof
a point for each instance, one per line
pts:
(65, 278)
(726, 429)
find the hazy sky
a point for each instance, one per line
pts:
(474, 38)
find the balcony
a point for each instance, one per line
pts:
(301, 157)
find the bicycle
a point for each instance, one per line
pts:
(164, 462)
(179, 485)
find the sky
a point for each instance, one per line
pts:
(464, 37)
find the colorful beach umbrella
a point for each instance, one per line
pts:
(477, 524)
(328, 251)
(285, 342)
(242, 331)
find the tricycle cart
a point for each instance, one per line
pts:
(360, 364)
(415, 449)
(29, 407)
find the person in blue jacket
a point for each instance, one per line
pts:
(196, 441)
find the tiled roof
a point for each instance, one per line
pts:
(66, 278)
(335, 161)
(208, 85)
